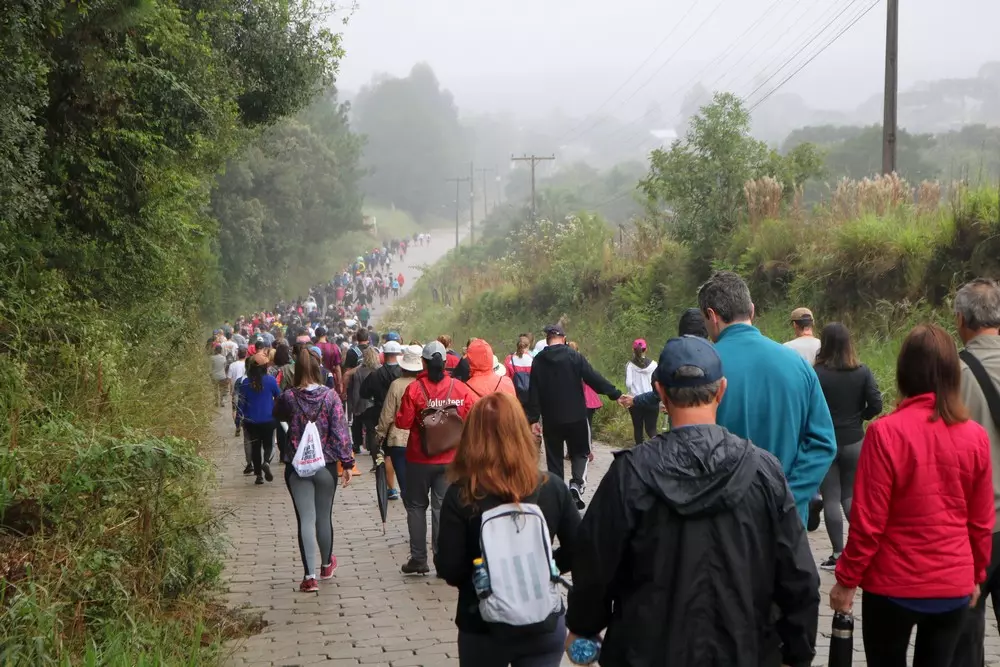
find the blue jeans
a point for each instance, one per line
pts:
(398, 457)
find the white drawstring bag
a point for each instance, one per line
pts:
(308, 457)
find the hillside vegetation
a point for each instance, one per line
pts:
(117, 236)
(878, 254)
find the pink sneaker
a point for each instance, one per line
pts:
(309, 585)
(327, 571)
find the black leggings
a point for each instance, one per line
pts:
(643, 420)
(261, 439)
(888, 627)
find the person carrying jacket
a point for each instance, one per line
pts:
(426, 475)
(774, 396)
(692, 542)
(483, 380)
(555, 396)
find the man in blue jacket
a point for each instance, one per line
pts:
(774, 398)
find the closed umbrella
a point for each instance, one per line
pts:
(381, 487)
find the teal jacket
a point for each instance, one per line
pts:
(775, 401)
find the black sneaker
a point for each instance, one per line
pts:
(248, 470)
(259, 480)
(267, 473)
(577, 494)
(415, 567)
(830, 564)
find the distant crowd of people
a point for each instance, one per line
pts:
(694, 545)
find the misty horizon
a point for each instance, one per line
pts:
(534, 59)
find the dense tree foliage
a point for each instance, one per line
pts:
(282, 202)
(413, 142)
(700, 179)
(116, 117)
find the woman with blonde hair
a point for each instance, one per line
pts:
(496, 463)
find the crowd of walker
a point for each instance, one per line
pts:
(694, 548)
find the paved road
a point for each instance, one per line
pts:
(369, 613)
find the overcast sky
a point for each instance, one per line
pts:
(532, 56)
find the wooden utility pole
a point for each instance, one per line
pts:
(458, 193)
(484, 171)
(891, 86)
(534, 159)
(472, 203)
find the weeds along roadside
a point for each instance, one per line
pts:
(109, 550)
(879, 255)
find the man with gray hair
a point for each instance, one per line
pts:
(774, 396)
(977, 317)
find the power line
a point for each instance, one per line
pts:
(655, 72)
(808, 43)
(721, 57)
(637, 69)
(815, 55)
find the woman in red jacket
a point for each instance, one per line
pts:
(922, 517)
(425, 475)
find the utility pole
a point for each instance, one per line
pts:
(458, 193)
(472, 203)
(499, 194)
(484, 171)
(891, 86)
(534, 159)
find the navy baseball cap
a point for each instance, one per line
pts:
(554, 330)
(688, 351)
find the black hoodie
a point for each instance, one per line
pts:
(555, 391)
(690, 545)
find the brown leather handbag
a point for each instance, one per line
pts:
(440, 426)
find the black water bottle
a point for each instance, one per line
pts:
(842, 640)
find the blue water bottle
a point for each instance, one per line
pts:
(481, 579)
(584, 651)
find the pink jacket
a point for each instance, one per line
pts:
(590, 397)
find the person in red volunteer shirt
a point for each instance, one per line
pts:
(425, 476)
(922, 515)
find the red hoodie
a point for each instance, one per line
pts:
(922, 515)
(413, 403)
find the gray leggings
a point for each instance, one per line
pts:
(313, 501)
(837, 490)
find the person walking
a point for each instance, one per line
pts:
(774, 398)
(518, 367)
(693, 541)
(497, 463)
(257, 394)
(425, 473)
(312, 497)
(483, 379)
(977, 317)
(922, 516)
(556, 399)
(639, 380)
(805, 343)
(217, 374)
(363, 424)
(853, 397)
(235, 373)
(332, 360)
(376, 385)
(591, 399)
(691, 323)
(396, 438)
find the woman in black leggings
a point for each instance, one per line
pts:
(853, 397)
